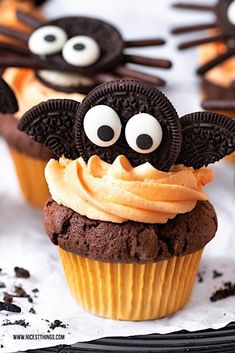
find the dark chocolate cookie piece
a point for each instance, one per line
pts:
(108, 38)
(223, 20)
(51, 123)
(207, 137)
(130, 242)
(128, 98)
(8, 101)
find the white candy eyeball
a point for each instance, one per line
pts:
(81, 51)
(47, 40)
(102, 125)
(143, 133)
(231, 12)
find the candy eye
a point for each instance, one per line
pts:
(143, 133)
(231, 12)
(102, 125)
(81, 51)
(47, 40)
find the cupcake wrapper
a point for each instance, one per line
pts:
(131, 291)
(30, 172)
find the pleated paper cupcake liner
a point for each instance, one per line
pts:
(131, 291)
(30, 173)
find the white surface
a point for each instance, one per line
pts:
(23, 241)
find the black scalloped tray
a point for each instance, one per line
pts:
(209, 341)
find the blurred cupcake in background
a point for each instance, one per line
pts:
(216, 54)
(128, 210)
(64, 58)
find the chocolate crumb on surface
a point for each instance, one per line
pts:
(32, 311)
(57, 323)
(200, 277)
(8, 298)
(217, 274)
(21, 272)
(35, 290)
(20, 292)
(2, 285)
(9, 307)
(226, 291)
(22, 323)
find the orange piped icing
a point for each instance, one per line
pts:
(118, 192)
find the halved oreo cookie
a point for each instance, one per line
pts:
(8, 101)
(207, 137)
(130, 118)
(51, 123)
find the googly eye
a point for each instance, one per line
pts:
(143, 133)
(81, 51)
(231, 13)
(102, 125)
(47, 40)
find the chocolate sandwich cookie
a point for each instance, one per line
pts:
(130, 242)
(148, 124)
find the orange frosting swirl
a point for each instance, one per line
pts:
(119, 192)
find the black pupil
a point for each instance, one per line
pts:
(50, 38)
(144, 141)
(105, 133)
(79, 46)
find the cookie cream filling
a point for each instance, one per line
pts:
(65, 79)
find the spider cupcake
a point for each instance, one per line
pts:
(128, 211)
(217, 52)
(64, 58)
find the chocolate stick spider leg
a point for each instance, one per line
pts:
(23, 62)
(6, 47)
(193, 28)
(143, 43)
(220, 105)
(28, 19)
(16, 34)
(216, 61)
(189, 6)
(145, 61)
(194, 43)
(125, 72)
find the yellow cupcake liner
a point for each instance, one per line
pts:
(30, 172)
(131, 291)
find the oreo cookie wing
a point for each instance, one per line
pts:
(52, 124)
(206, 138)
(8, 101)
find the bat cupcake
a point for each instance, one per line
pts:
(65, 58)
(128, 211)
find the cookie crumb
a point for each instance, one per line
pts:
(217, 274)
(200, 277)
(22, 323)
(56, 323)
(226, 291)
(2, 285)
(32, 311)
(35, 290)
(7, 298)
(21, 272)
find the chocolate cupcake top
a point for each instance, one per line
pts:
(74, 54)
(222, 31)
